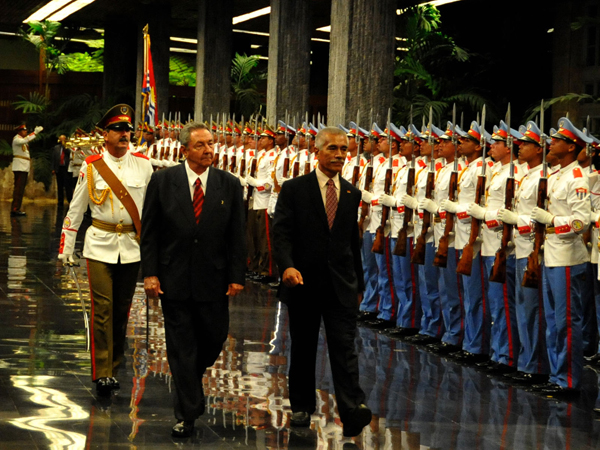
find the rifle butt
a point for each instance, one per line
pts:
(418, 256)
(465, 263)
(498, 274)
(441, 256)
(532, 277)
(400, 247)
(379, 241)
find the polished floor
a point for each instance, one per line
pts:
(419, 400)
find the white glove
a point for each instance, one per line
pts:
(541, 216)
(409, 202)
(66, 259)
(251, 181)
(474, 210)
(507, 216)
(387, 200)
(594, 216)
(449, 206)
(428, 205)
(367, 197)
(38, 129)
(243, 181)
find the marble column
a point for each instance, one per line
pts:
(361, 60)
(213, 61)
(289, 58)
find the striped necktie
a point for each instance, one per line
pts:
(198, 200)
(331, 202)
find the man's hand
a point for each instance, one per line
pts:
(449, 206)
(507, 216)
(152, 287)
(542, 216)
(291, 277)
(409, 202)
(428, 205)
(366, 196)
(474, 210)
(234, 289)
(66, 259)
(38, 129)
(251, 181)
(388, 200)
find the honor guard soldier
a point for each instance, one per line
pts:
(353, 144)
(282, 163)
(112, 185)
(476, 337)
(504, 336)
(450, 286)
(259, 222)
(21, 165)
(565, 258)
(388, 300)
(532, 359)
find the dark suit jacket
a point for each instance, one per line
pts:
(193, 261)
(302, 239)
(56, 157)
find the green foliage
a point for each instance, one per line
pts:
(182, 71)
(571, 97)
(85, 62)
(245, 78)
(421, 73)
(36, 104)
(5, 148)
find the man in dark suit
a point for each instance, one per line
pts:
(60, 166)
(193, 256)
(317, 249)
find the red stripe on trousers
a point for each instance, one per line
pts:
(414, 286)
(388, 268)
(92, 347)
(460, 298)
(511, 350)
(482, 302)
(269, 244)
(569, 331)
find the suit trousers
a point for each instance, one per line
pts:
(111, 288)
(260, 246)
(19, 190)
(340, 329)
(195, 333)
(64, 185)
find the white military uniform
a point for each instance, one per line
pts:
(21, 158)
(134, 171)
(264, 166)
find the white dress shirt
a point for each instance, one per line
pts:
(193, 176)
(323, 179)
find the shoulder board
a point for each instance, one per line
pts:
(479, 163)
(362, 163)
(516, 169)
(459, 167)
(271, 153)
(140, 155)
(381, 159)
(577, 172)
(91, 159)
(438, 166)
(421, 163)
(395, 163)
(490, 163)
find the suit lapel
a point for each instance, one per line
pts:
(213, 195)
(343, 202)
(316, 199)
(182, 194)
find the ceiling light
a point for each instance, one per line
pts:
(255, 46)
(257, 33)
(551, 30)
(47, 10)
(320, 40)
(251, 15)
(439, 2)
(263, 57)
(186, 40)
(326, 29)
(71, 8)
(402, 49)
(182, 50)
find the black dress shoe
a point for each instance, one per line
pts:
(401, 332)
(366, 315)
(17, 213)
(526, 378)
(592, 360)
(300, 419)
(497, 368)
(422, 339)
(443, 348)
(357, 419)
(115, 383)
(104, 386)
(274, 284)
(183, 429)
(268, 280)
(381, 324)
(559, 391)
(468, 358)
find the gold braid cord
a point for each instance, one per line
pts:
(91, 190)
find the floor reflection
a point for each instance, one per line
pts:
(419, 400)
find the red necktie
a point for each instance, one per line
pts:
(62, 156)
(331, 202)
(198, 200)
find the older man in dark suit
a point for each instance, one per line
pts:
(317, 250)
(193, 256)
(60, 165)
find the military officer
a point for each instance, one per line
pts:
(113, 185)
(21, 165)
(565, 258)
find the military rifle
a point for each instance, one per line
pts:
(356, 169)
(379, 241)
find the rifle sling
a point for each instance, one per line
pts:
(122, 194)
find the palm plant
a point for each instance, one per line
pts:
(422, 72)
(42, 35)
(244, 85)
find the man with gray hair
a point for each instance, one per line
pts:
(316, 246)
(194, 258)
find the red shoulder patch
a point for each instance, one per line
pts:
(479, 163)
(381, 159)
(141, 155)
(422, 163)
(577, 172)
(438, 166)
(91, 159)
(395, 163)
(516, 169)
(490, 163)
